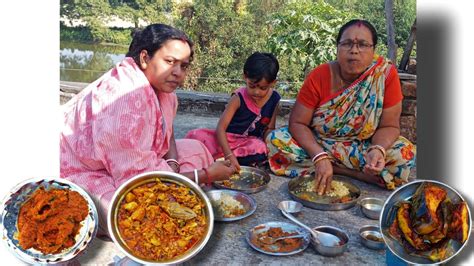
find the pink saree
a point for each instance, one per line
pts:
(118, 127)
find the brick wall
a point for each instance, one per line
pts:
(408, 117)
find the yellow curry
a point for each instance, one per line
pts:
(160, 221)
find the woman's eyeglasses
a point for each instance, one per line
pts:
(362, 46)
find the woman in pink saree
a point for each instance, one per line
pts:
(121, 125)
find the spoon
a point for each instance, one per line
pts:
(323, 238)
(270, 240)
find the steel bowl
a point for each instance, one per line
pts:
(296, 188)
(248, 203)
(10, 210)
(405, 193)
(331, 251)
(251, 180)
(166, 177)
(371, 231)
(371, 207)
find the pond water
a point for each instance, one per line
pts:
(81, 62)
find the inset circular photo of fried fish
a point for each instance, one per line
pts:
(426, 222)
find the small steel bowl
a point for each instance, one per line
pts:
(331, 251)
(371, 231)
(248, 203)
(290, 206)
(371, 207)
(165, 177)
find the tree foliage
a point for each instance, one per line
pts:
(300, 32)
(303, 35)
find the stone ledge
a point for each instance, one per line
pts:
(189, 101)
(214, 103)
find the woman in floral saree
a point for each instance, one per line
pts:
(346, 119)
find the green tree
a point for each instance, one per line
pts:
(303, 36)
(225, 34)
(92, 12)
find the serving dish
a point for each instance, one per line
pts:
(249, 180)
(248, 204)
(171, 180)
(333, 250)
(9, 221)
(297, 188)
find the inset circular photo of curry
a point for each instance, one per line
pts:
(48, 220)
(425, 222)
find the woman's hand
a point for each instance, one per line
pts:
(234, 162)
(375, 162)
(323, 176)
(221, 170)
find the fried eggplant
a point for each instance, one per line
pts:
(425, 203)
(459, 227)
(404, 223)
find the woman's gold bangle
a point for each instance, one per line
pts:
(323, 157)
(378, 147)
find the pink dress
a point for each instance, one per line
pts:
(245, 130)
(118, 127)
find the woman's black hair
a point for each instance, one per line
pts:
(358, 22)
(152, 38)
(261, 65)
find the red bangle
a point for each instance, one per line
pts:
(208, 178)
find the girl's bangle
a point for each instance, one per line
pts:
(228, 155)
(196, 176)
(208, 177)
(319, 155)
(378, 147)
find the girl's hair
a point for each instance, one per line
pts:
(358, 22)
(261, 65)
(152, 38)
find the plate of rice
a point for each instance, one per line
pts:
(230, 205)
(342, 195)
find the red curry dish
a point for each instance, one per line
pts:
(50, 220)
(160, 221)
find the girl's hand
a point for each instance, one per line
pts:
(221, 170)
(323, 176)
(233, 160)
(374, 162)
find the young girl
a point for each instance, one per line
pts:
(249, 116)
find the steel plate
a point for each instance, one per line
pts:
(249, 180)
(247, 202)
(315, 201)
(286, 227)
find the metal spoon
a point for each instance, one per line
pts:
(270, 240)
(323, 238)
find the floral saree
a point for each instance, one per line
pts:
(343, 126)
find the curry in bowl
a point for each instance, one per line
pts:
(160, 221)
